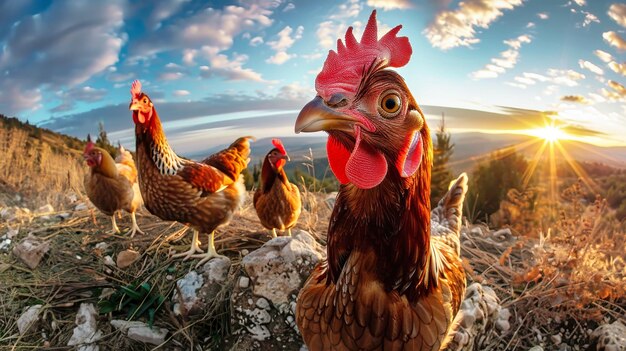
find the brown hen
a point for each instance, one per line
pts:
(393, 279)
(203, 195)
(112, 186)
(277, 201)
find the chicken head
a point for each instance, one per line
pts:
(376, 129)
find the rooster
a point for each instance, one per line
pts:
(390, 282)
(203, 195)
(112, 186)
(277, 202)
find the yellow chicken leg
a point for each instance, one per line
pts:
(274, 235)
(194, 248)
(212, 253)
(114, 229)
(135, 227)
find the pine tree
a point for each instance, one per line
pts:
(103, 140)
(441, 174)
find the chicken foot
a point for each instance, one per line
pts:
(193, 249)
(212, 253)
(135, 227)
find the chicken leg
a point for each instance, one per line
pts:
(135, 227)
(194, 248)
(114, 229)
(212, 253)
(274, 235)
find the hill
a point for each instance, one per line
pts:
(37, 165)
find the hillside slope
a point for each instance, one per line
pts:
(37, 165)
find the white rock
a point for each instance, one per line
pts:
(556, 339)
(273, 267)
(610, 336)
(476, 230)
(262, 303)
(28, 320)
(244, 282)
(5, 243)
(259, 332)
(108, 260)
(102, 246)
(140, 331)
(330, 200)
(31, 250)
(81, 207)
(86, 332)
(12, 232)
(199, 289)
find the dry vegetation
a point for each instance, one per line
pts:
(74, 272)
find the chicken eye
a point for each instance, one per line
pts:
(390, 104)
(145, 101)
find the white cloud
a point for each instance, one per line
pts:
(284, 42)
(579, 99)
(390, 4)
(591, 67)
(452, 28)
(543, 15)
(524, 80)
(290, 6)
(530, 25)
(163, 9)
(589, 18)
(181, 92)
(256, 41)
(350, 9)
(603, 55)
(508, 59)
(77, 43)
(279, 58)
(580, 2)
(618, 67)
(615, 40)
(568, 77)
(516, 85)
(170, 76)
(231, 70)
(71, 96)
(618, 13)
(197, 29)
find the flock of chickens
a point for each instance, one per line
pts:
(392, 280)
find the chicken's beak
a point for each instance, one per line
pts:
(285, 157)
(134, 106)
(316, 116)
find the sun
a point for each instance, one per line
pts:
(550, 133)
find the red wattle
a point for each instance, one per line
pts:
(338, 157)
(367, 167)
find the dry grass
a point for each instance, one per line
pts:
(564, 282)
(74, 272)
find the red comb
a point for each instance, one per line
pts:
(279, 145)
(343, 69)
(135, 89)
(90, 145)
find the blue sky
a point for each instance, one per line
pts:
(215, 69)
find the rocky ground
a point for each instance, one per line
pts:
(67, 284)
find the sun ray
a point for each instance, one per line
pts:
(580, 172)
(532, 166)
(501, 152)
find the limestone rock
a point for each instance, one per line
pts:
(330, 200)
(140, 331)
(200, 289)
(31, 250)
(86, 332)
(480, 312)
(264, 298)
(126, 258)
(280, 267)
(81, 206)
(15, 214)
(610, 337)
(29, 319)
(45, 212)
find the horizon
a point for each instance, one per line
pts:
(511, 67)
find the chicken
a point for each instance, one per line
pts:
(277, 202)
(112, 186)
(390, 282)
(203, 195)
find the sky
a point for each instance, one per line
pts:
(217, 70)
